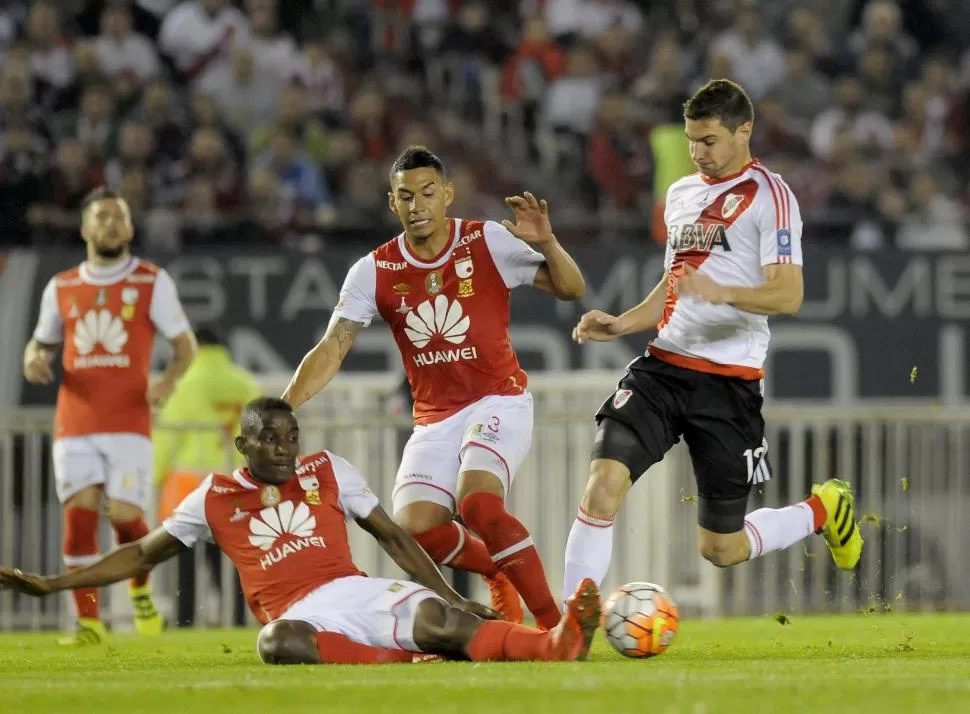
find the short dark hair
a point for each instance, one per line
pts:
(211, 335)
(417, 157)
(255, 412)
(721, 99)
(101, 193)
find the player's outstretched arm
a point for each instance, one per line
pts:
(120, 564)
(322, 362)
(38, 359)
(598, 326)
(559, 275)
(405, 551)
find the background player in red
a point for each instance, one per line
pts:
(106, 311)
(443, 287)
(282, 522)
(733, 258)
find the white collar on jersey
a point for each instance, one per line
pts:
(442, 259)
(104, 275)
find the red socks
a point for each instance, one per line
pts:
(335, 648)
(511, 549)
(500, 641)
(129, 532)
(818, 512)
(455, 547)
(80, 549)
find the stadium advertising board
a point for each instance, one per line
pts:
(873, 324)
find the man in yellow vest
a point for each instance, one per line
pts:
(214, 391)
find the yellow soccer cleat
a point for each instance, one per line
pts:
(89, 632)
(147, 620)
(840, 530)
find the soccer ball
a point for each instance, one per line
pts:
(640, 620)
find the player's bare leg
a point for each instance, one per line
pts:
(298, 642)
(80, 549)
(449, 543)
(481, 502)
(453, 633)
(129, 525)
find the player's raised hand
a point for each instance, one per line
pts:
(18, 581)
(38, 369)
(531, 219)
(479, 610)
(695, 283)
(596, 326)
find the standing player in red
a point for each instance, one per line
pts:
(733, 258)
(443, 286)
(106, 311)
(282, 522)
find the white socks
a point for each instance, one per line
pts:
(588, 551)
(771, 529)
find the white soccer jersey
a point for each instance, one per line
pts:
(728, 229)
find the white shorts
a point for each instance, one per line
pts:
(122, 463)
(493, 434)
(370, 611)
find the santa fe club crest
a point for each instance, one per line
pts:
(621, 397)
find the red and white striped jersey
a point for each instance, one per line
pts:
(728, 229)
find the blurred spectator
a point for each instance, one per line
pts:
(271, 208)
(880, 81)
(247, 96)
(536, 62)
(778, 132)
(51, 62)
(757, 60)
(199, 35)
(93, 124)
(934, 222)
(301, 181)
(206, 115)
(364, 205)
(376, 128)
(470, 201)
(135, 149)
(618, 156)
(660, 91)
(22, 180)
(72, 178)
(804, 92)
(866, 129)
(571, 102)
(87, 72)
(124, 55)
(318, 71)
(882, 28)
(274, 52)
(15, 103)
(209, 162)
(294, 116)
(806, 33)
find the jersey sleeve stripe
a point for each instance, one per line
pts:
(781, 195)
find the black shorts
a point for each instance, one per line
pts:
(718, 417)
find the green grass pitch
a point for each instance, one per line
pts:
(845, 664)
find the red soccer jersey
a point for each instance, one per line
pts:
(285, 541)
(107, 320)
(450, 315)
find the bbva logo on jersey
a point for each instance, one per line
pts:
(100, 327)
(276, 522)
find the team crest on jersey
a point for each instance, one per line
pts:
(621, 397)
(465, 288)
(433, 283)
(311, 485)
(732, 202)
(464, 268)
(270, 496)
(127, 312)
(403, 308)
(129, 295)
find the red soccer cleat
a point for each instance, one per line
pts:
(572, 637)
(504, 597)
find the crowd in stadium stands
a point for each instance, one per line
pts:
(274, 120)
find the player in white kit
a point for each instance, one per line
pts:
(443, 286)
(733, 258)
